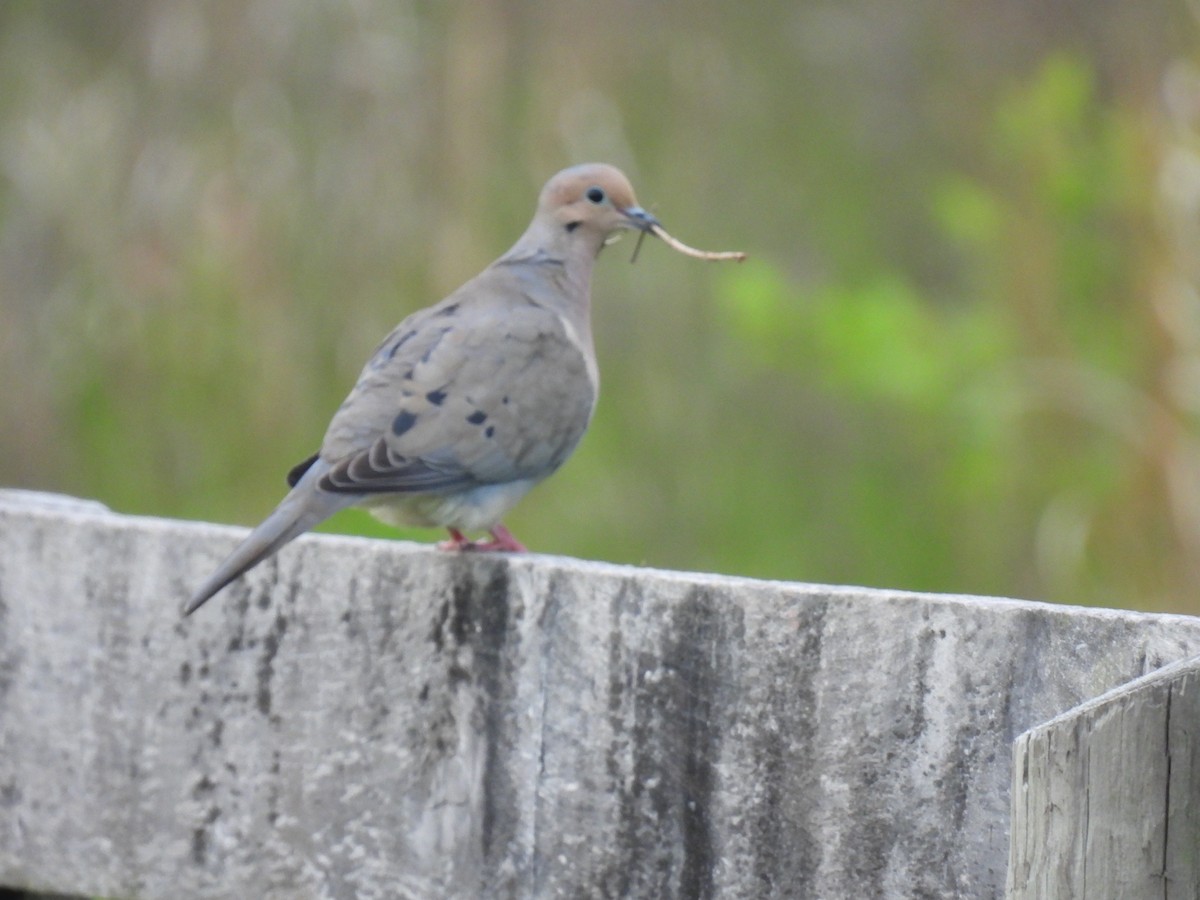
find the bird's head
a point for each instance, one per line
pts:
(593, 201)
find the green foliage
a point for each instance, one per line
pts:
(1018, 398)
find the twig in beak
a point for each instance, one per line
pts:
(637, 247)
(683, 248)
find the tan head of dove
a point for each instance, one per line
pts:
(591, 201)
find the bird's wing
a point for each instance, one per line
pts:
(459, 395)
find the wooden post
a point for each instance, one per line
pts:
(1106, 797)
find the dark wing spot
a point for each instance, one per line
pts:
(403, 422)
(489, 431)
(504, 400)
(299, 469)
(436, 397)
(478, 417)
(449, 310)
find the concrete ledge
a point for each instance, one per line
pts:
(375, 719)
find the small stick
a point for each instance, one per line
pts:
(683, 248)
(637, 247)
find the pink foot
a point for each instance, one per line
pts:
(503, 541)
(456, 542)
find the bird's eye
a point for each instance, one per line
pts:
(595, 194)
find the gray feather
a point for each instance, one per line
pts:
(305, 507)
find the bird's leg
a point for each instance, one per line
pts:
(457, 541)
(503, 541)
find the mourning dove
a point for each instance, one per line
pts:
(468, 404)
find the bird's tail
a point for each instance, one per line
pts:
(302, 509)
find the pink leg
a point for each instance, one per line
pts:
(456, 542)
(503, 541)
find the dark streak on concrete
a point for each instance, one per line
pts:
(497, 691)
(786, 848)
(266, 665)
(671, 707)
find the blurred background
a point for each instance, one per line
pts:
(964, 355)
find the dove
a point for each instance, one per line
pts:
(469, 403)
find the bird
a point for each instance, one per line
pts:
(468, 404)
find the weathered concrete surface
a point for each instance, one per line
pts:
(1106, 797)
(370, 719)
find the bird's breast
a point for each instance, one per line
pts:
(474, 509)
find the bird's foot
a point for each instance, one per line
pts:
(503, 541)
(457, 541)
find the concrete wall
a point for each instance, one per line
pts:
(370, 719)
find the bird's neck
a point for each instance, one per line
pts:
(561, 262)
(550, 241)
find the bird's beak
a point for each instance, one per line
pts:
(639, 219)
